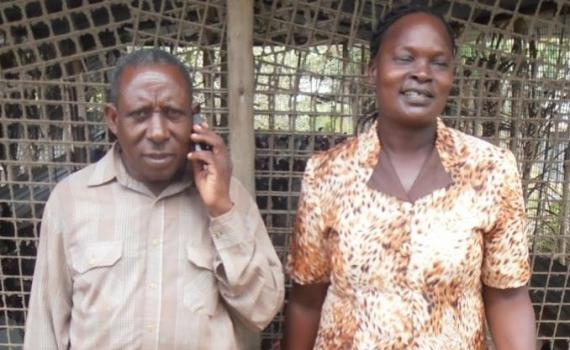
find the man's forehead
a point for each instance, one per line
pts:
(144, 76)
(158, 71)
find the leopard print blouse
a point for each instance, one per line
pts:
(408, 275)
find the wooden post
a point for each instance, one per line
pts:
(240, 120)
(240, 90)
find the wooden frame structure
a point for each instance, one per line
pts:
(279, 80)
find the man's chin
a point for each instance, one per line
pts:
(162, 176)
(169, 175)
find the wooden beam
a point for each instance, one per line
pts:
(240, 90)
(240, 120)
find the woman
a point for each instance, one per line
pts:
(411, 234)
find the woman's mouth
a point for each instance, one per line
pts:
(417, 97)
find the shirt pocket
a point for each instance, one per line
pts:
(94, 280)
(201, 291)
(96, 255)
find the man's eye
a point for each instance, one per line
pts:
(140, 114)
(441, 63)
(173, 113)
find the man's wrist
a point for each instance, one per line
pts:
(219, 209)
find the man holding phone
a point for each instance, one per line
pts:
(155, 246)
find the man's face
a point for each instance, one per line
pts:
(412, 70)
(152, 120)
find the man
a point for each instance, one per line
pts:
(145, 249)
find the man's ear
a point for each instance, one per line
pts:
(111, 117)
(196, 107)
(372, 71)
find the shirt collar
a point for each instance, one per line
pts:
(111, 168)
(449, 147)
(105, 169)
(446, 145)
(438, 171)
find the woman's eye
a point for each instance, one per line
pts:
(404, 58)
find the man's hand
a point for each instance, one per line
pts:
(212, 170)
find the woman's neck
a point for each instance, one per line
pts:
(399, 139)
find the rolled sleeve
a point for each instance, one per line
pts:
(235, 244)
(249, 273)
(506, 255)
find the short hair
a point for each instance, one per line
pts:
(402, 11)
(145, 57)
(378, 36)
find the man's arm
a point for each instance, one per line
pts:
(510, 317)
(47, 323)
(249, 273)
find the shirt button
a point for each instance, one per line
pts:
(155, 242)
(150, 328)
(92, 261)
(153, 285)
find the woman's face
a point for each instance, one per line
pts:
(412, 71)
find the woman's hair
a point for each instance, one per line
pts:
(381, 29)
(395, 15)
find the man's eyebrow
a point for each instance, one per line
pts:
(174, 107)
(139, 109)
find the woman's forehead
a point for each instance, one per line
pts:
(417, 28)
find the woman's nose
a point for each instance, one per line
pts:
(422, 71)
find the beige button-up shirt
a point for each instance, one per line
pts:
(120, 268)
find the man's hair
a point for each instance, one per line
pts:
(145, 57)
(402, 11)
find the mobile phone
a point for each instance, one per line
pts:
(197, 118)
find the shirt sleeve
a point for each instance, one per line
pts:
(506, 255)
(309, 260)
(249, 272)
(47, 322)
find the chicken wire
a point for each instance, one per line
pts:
(511, 88)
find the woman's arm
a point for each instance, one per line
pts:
(302, 315)
(510, 317)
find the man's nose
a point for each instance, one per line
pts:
(157, 130)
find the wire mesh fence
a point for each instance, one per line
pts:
(511, 88)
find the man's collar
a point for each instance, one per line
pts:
(111, 167)
(105, 169)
